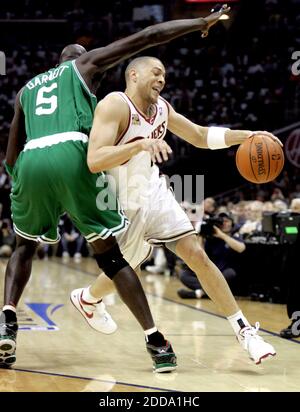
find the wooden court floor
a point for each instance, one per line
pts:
(58, 351)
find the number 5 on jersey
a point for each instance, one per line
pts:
(42, 99)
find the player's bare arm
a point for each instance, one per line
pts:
(110, 121)
(17, 134)
(207, 137)
(100, 60)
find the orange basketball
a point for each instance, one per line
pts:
(259, 159)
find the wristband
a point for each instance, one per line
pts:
(216, 137)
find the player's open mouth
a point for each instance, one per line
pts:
(156, 89)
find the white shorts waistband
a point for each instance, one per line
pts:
(53, 139)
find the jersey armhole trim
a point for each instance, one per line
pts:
(166, 103)
(128, 123)
(82, 79)
(20, 99)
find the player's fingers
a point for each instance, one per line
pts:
(167, 147)
(225, 9)
(153, 159)
(158, 157)
(169, 150)
(275, 138)
(164, 154)
(204, 34)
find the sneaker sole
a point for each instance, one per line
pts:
(265, 357)
(83, 315)
(7, 346)
(164, 369)
(8, 361)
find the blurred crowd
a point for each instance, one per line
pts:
(239, 77)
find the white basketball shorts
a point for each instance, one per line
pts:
(162, 220)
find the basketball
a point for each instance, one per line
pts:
(259, 159)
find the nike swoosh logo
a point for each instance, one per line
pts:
(88, 315)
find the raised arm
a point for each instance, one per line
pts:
(208, 137)
(99, 60)
(17, 135)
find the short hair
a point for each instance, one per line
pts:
(138, 61)
(71, 51)
(295, 204)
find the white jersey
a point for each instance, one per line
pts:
(155, 215)
(135, 179)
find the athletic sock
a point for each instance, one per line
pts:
(88, 297)
(199, 293)
(9, 307)
(238, 321)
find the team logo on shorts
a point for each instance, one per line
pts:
(135, 119)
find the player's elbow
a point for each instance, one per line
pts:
(94, 165)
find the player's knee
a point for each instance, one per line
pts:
(198, 256)
(111, 261)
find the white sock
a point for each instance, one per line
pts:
(88, 297)
(199, 293)
(238, 321)
(149, 332)
(9, 307)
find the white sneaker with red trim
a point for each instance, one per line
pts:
(94, 313)
(258, 350)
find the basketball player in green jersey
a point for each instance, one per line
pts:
(46, 157)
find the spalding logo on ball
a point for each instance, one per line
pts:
(260, 159)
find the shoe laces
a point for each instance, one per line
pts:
(100, 308)
(251, 332)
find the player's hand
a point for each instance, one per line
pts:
(214, 17)
(275, 138)
(158, 149)
(218, 232)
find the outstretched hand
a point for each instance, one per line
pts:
(275, 138)
(214, 17)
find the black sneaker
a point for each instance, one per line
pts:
(164, 358)
(186, 294)
(290, 332)
(8, 336)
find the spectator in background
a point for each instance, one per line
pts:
(7, 238)
(293, 282)
(71, 240)
(277, 195)
(209, 206)
(295, 206)
(296, 193)
(280, 205)
(253, 215)
(222, 249)
(5, 185)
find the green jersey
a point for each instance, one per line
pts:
(57, 101)
(51, 175)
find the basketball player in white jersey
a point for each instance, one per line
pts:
(126, 140)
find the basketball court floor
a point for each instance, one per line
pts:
(58, 351)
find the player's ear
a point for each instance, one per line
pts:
(133, 75)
